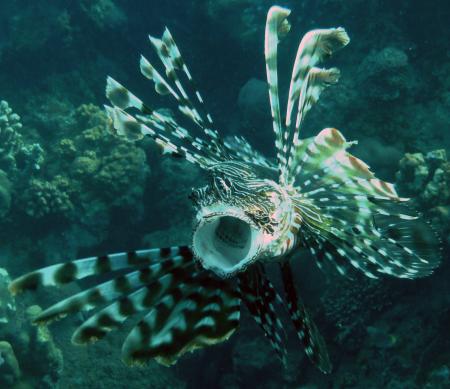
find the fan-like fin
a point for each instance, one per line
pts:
(167, 133)
(307, 331)
(128, 126)
(187, 308)
(240, 147)
(324, 159)
(114, 315)
(172, 60)
(198, 313)
(66, 272)
(260, 298)
(179, 63)
(111, 290)
(373, 233)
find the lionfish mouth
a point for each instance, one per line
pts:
(226, 240)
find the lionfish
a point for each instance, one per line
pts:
(253, 211)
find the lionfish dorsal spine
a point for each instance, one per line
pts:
(276, 23)
(204, 149)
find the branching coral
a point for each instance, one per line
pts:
(16, 156)
(10, 138)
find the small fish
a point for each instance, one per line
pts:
(253, 211)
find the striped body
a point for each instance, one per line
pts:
(315, 196)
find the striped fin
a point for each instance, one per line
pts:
(315, 47)
(185, 308)
(162, 87)
(64, 273)
(260, 298)
(167, 125)
(323, 158)
(374, 234)
(171, 58)
(126, 126)
(168, 134)
(200, 312)
(306, 329)
(276, 26)
(327, 257)
(115, 314)
(316, 81)
(240, 147)
(342, 204)
(308, 81)
(185, 105)
(132, 129)
(179, 63)
(121, 97)
(111, 290)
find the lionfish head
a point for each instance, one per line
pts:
(235, 220)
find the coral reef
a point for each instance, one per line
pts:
(103, 13)
(246, 22)
(5, 194)
(16, 156)
(11, 140)
(44, 198)
(426, 177)
(386, 75)
(28, 355)
(88, 173)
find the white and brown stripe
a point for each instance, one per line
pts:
(307, 82)
(276, 21)
(66, 272)
(199, 312)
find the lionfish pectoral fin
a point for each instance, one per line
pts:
(260, 297)
(185, 308)
(200, 312)
(66, 272)
(307, 331)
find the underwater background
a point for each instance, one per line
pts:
(69, 189)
